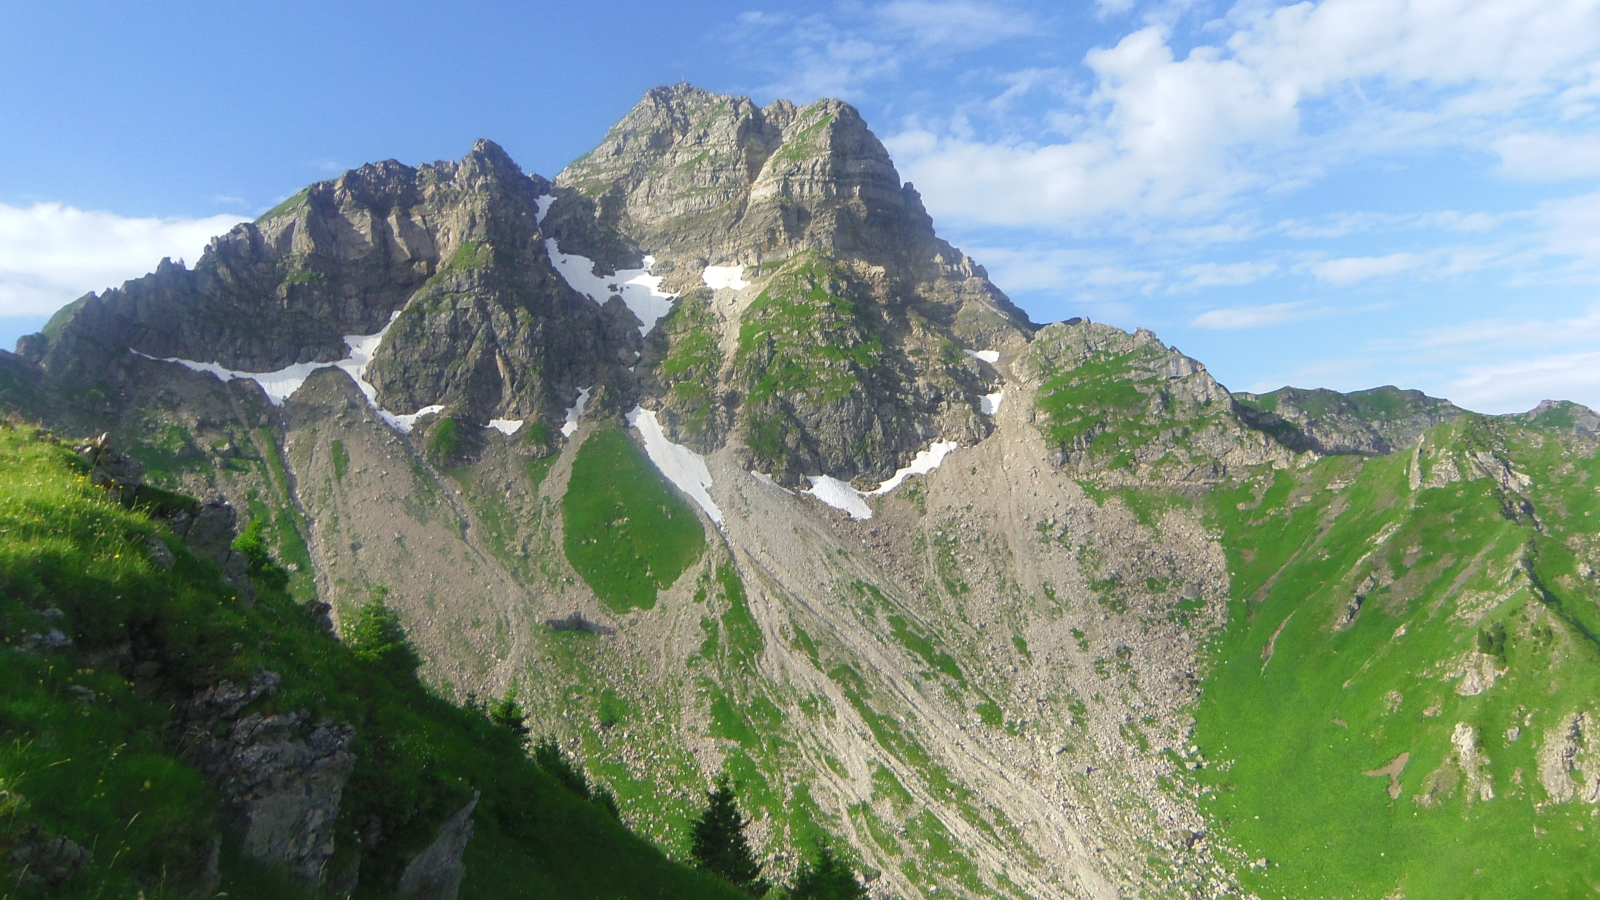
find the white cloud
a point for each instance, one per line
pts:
(1529, 333)
(1251, 316)
(1158, 145)
(51, 254)
(1548, 157)
(955, 23)
(1228, 274)
(1287, 92)
(1359, 268)
(1519, 385)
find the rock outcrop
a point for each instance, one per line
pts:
(436, 872)
(283, 773)
(1129, 407)
(1369, 423)
(486, 328)
(837, 350)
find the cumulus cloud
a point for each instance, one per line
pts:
(1359, 268)
(51, 254)
(1289, 90)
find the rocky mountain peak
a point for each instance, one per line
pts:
(699, 178)
(1367, 423)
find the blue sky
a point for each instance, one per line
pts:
(1342, 193)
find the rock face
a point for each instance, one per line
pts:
(284, 774)
(488, 329)
(1368, 423)
(1562, 415)
(1127, 405)
(436, 872)
(840, 352)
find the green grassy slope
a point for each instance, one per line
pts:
(89, 748)
(628, 533)
(1472, 645)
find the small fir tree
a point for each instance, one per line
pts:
(507, 713)
(824, 876)
(720, 846)
(547, 755)
(377, 637)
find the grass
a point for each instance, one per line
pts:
(1289, 737)
(802, 344)
(689, 370)
(107, 774)
(627, 532)
(288, 204)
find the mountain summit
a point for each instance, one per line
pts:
(719, 458)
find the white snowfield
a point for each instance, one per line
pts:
(841, 495)
(989, 356)
(990, 403)
(719, 277)
(506, 427)
(682, 466)
(407, 422)
(638, 288)
(542, 208)
(281, 384)
(575, 412)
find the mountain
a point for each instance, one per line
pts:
(713, 451)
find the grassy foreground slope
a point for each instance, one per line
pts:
(90, 746)
(1405, 699)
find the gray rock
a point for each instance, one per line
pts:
(283, 774)
(160, 554)
(45, 860)
(1369, 423)
(436, 872)
(112, 469)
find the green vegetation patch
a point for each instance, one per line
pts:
(1108, 406)
(689, 369)
(925, 650)
(282, 208)
(627, 532)
(1333, 728)
(802, 343)
(92, 746)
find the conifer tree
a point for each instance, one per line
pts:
(376, 636)
(720, 846)
(507, 713)
(547, 755)
(826, 877)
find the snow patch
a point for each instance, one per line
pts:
(841, 495)
(407, 422)
(989, 356)
(719, 277)
(990, 403)
(682, 466)
(764, 478)
(281, 384)
(638, 288)
(575, 412)
(923, 463)
(506, 427)
(541, 207)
